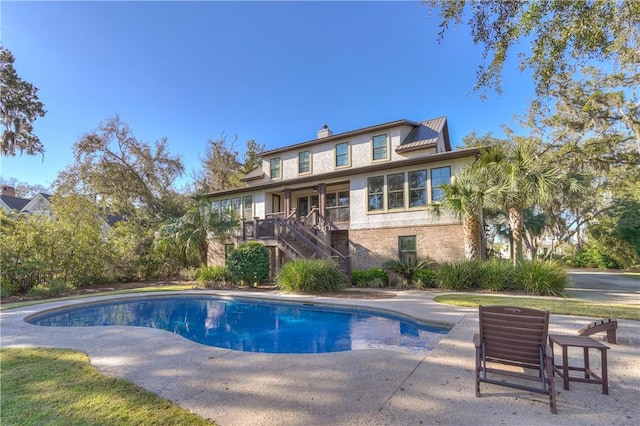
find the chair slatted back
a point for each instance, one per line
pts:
(513, 335)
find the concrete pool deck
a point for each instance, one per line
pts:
(360, 387)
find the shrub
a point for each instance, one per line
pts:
(52, 288)
(425, 278)
(593, 257)
(359, 277)
(458, 275)
(310, 276)
(408, 266)
(544, 278)
(212, 276)
(249, 263)
(497, 275)
(375, 277)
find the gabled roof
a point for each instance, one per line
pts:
(14, 203)
(426, 135)
(344, 135)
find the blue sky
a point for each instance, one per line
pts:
(270, 71)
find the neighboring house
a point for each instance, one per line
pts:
(40, 204)
(361, 197)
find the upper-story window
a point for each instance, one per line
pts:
(304, 162)
(380, 148)
(439, 176)
(342, 154)
(274, 168)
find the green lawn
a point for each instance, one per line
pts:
(553, 305)
(59, 387)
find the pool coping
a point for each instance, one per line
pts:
(351, 388)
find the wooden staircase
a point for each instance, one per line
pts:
(297, 239)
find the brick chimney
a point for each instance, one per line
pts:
(324, 132)
(8, 190)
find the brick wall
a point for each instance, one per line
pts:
(370, 248)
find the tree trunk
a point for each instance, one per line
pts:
(471, 231)
(516, 221)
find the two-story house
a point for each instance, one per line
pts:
(362, 197)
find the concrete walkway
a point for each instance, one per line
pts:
(361, 387)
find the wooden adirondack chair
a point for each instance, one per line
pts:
(511, 336)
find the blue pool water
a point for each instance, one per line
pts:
(256, 326)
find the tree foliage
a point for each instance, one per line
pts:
(129, 176)
(563, 36)
(222, 166)
(190, 233)
(19, 108)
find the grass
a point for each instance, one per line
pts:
(60, 387)
(554, 306)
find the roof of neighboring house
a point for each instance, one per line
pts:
(112, 219)
(426, 135)
(348, 134)
(14, 203)
(254, 174)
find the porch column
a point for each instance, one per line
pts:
(322, 195)
(287, 203)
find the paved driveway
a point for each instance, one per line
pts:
(606, 287)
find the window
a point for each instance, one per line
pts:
(247, 207)
(337, 206)
(395, 191)
(215, 205)
(224, 206)
(304, 162)
(236, 206)
(407, 247)
(375, 190)
(274, 168)
(439, 176)
(418, 188)
(342, 154)
(380, 147)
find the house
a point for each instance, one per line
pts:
(361, 197)
(40, 204)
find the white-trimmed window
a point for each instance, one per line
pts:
(275, 168)
(342, 154)
(379, 147)
(304, 162)
(247, 207)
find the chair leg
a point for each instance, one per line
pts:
(551, 386)
(477, 372)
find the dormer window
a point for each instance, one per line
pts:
(304, 162)
(380, 148)
(274, 168)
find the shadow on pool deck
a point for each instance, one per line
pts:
(363, 387)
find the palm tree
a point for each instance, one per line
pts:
(465, 196)
(526, 179)
(192, 231)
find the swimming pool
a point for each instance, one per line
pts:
(253, 325)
